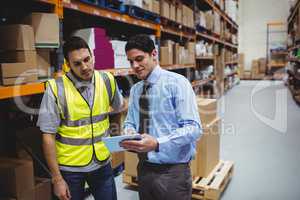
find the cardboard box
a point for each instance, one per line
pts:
(217, 24)
(117, 159)
(29, 78)
(45, 27)
(12, 56)
(208, 148)
(209, 18)
(42, 189)
(130, 163)
(18, 57)
(165, 9)
(176, 54)
(167, 43)
(193, 167)
(241, 63)
(255, 67)
(207, 109)
(43, 62)
(10, 70)
(17, 178)
(185, 15)
(191, 48)
(172, 12)
(179, 14)
(258, 76)
(155, 6)
(262, 65)
(147, 5)
(247, 75)
(166, 56)
(205, 160)
(17, 37)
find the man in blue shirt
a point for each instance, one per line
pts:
(162, 107)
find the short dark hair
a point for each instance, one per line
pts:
(141, 42)
(74, 43)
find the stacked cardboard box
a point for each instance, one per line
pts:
(255, 69)
(217, 24)
(166, 52)
(42, 189)
(151, 5)
(247, 75)
(207, 156)
(16, 179)
(209, 19)
(46, 36)
(172, 12)
(179, 13)
(191, 48)
(187, 16)
(45, 27)
(241, 64)
(208, 147)
(262, 65)
(155, 6)
(165, 9)
(17, 50)
(43, 62)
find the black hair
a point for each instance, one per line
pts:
(141, 42)
(74, 43)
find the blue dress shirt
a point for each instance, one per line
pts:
(174, 117)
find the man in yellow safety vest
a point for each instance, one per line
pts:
(74, 118)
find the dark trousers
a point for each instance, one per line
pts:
(164, 182)
(100, 181)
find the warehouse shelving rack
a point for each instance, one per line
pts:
(293, 81)
(59, 7)
(275, 28)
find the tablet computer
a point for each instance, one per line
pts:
(113, 143)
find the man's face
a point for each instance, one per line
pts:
(81, 63)
(141, 62)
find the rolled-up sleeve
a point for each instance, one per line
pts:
(49, 119)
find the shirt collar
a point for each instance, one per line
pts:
(78, 82)
(155, 74)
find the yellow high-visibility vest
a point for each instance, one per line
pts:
(79, 136)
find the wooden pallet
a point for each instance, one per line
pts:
(211, 188)
(130, 180)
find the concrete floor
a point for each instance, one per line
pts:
(263, 140)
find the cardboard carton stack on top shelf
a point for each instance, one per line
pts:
(177, 12)
(172, 53)
(46, 37)
(17, 54)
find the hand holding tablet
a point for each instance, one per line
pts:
(113, 143)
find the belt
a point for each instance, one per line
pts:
(163, 165)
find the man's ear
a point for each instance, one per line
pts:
(154, 54)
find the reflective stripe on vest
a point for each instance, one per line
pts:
(82, 128)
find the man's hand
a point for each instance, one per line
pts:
(61, 189)
(146, 144)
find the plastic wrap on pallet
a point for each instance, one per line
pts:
(138, 3)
